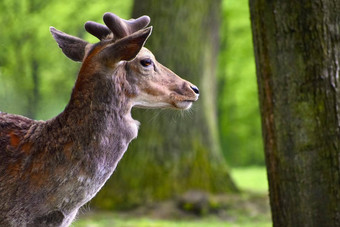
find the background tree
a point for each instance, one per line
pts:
(172, 154)
(297, 54)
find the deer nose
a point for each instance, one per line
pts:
(195, 89)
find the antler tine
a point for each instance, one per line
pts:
(138, 24)
(98, 30)
(121, 28)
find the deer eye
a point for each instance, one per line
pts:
(146, 62)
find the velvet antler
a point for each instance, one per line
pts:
(116, 25)
(115, 28)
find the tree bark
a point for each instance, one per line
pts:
(175, 153)
(297, 51)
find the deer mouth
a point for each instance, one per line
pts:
(182, 102)
(184, 105)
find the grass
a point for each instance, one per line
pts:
(117, 221)
(249, 209)
(252, 179)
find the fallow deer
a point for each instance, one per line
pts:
(49, 169)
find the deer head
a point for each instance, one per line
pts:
(120, 49)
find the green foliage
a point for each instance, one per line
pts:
(36, 79)
(239, 116)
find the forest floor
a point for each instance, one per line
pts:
(195, 208)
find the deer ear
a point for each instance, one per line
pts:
(73, 47)
(128, 47)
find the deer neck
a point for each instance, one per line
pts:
(98, 115)
(91, 136)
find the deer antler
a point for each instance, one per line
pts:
(116, 28)
(116, 25)
(98, 30)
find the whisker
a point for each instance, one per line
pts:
(155, 116)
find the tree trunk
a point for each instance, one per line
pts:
(297, 50)
(175, 153)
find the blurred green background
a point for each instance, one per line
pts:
(36, 80)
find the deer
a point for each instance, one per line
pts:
(50, 169)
